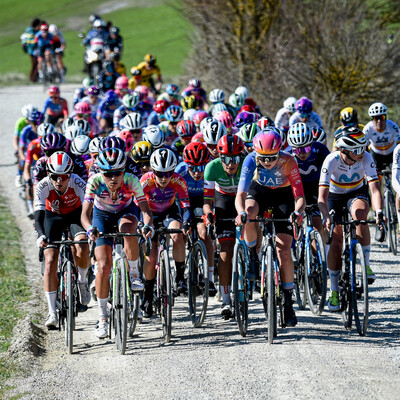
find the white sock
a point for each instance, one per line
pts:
(334, 277)
(226, 294)
(366, 251)
(133, 269)
(82, 274)
(102, 307)
(51, 301)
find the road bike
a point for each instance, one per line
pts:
(389, 201)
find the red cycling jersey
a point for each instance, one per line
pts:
(34, 151)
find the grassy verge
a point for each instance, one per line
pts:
(13, 287)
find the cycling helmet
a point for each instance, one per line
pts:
(80, 145)
(132, 121)
(198, 137)
(188, 114)
(319, 134)
(45, 128)
(36, 116)
(244, 117)
(348, 115)
(53, 142)
(154, 135)
(82, 108)
(196, 154)
(93, 91)
(111, 159)
(216, 96)
(304, 105)
(44, 27)
(121, 83)
(94, 145)
(84, 125)
(265, 122)
(98, 23)
(198, 116)
(112, 142)
(111, 98)
(213, 132)
(267, 142)
(163, 160)
(114, 30)
(188, 102)
(87, 82)
(350, 138)
(160, 106)
(205, 121)
(290, 104)
(377, 109)
(243, 92)
(66, 123)
(150, 59)
(172, 89)
(53, 29)
(299, 135)
(217, 108)
(142, 151)
(174, 113)
(186, 129)
(28, 109)
(59, 163)
(230, 145)
(73, 131)
(127, 137)
(248, 131)
(108, 66)
(53, 91)
(131, 100)
(225, 118)
(195, 83)
(236, 100)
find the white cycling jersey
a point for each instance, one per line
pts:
(382, 142)
(282, 119)
(396, 169)
(314, 120)
(342, 178)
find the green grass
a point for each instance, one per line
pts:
(13, 286)
(146, 26)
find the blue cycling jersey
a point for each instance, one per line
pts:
(195, 188)
(27, 135)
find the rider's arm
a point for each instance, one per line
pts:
(147, 214)
(87, 209)
(41, 194)
(376, 197)
(240, 201)
(396, 170)
(323, 201)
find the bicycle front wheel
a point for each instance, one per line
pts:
(69, 297)
(315, 273)
(271, 293)
(240, 290)
(198, 284)
(299, 274)
(121, 305)
(391, 215)
(134, 312)
(360, 290)
(165, 295)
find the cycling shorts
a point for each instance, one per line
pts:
(55, 224)
(280, 200)
(382, 161)
(164, 218)
(42, 49)
(106, 222)
(225, 209)
(338, 201)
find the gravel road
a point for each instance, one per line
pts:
(316, 359)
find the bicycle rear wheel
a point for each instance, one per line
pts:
(360, 291)
(240, 289)
(165, 295)
(198, 284)
(315, 274)
(391, 215)
(299, 275)
(70, 312)
(271, 292)
(121, 305)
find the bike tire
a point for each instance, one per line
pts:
(316, 273)
(360, 291)
(271, 292)
(69, 297)
(299, 276)
(134, 312)
(121, 306)
(346, 305)
(198, 284)
(391, 215)
(240, 288)
(165, 295)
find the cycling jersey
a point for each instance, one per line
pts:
(27, 135)
(396, 169)
(98, 193)
(95, 106)
(282, 119)
(131, 167)
(155, 118)
(382, 142)
(105, 110)
(107, 82)
(195, 188)
(284, 173)
(56, 110)
(147, 73)
(34, 151)
(313, 121)
(43, 43)
(342, 178)
(20, 125)
(161, 199)
(79, 94)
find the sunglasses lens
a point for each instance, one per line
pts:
(230, 159)
(55, 177)
(300, 150)
(271, 158)
(167, 174)
(197, 168)
(110, 174)
(358, 151)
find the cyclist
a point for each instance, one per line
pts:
(304, 113)
(107, 77)
(144, 72)
(185, 131)
(114, 43)
(44, 48)
(248, 101)
(58, 205)
(348, 117)
(221, 179)
(157, 115)
(283, 115)
(84, 119)
(319, 135)
(171, 95)
(196, 90)
(342, 183)
(122, 86)
(93, 99)
(173, 115)
(29, 46)
(109, 196)
(134, 123)
(58, 46)
(141, 154)
(155, 136)
(55, 108)
(105, 112)
(227, 120)
(213, 132)
(81, 92)
(270, 178)
(129, 103)
(247, 133)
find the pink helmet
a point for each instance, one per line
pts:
(198, 137)
(267, 142)
(199, 116)
(82, 108)
(127, 137)
(225, 118)
(122, 82)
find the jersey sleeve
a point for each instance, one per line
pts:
(91, 187)
(247, 173)
(295, 178)
(209, 182)
(370, 168)
(41, 194)
(182, 192)
(396, 170)
(325, 178)
(136, 188)
(65, 108)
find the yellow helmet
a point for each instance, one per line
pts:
(142, 151)
(150, 59)
(348, 116)
(188, 102)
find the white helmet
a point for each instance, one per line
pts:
(163, 160)
(45, 128)
(350, 138)
(299, 135)
(59, 163)
(218, 107)
(94, 145)
(214, 131)
(73, 131)
(53, 29)
(84, 125)
(377, 109)
(28, 109)
(204, 122)
(154, 135)
(290, 104)
(216, 96)
(80, 145)
(242, 90)
(188, 114)
(132, 121)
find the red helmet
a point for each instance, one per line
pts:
(225, 118)
(127, 137)
(267, 142)
(44, 27)
(82, 108)
(196, 154)
(199, 116)
(265, 122)
(53, 91)
(160, 106)
(247, 108)
(230, 145)
(185, 129)
(122, 82)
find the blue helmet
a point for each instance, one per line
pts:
(174, 113)
(111, 159)
(172, 89)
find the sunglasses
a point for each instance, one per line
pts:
(301, 150)
(271, 158)
(144, 164)
(379, 118)
(249, 144)
(56, 177)
(82, 115)
(197, 168)
(211, 146)
(230, 159)
(167, 174)
(135, 131)
(305, 115)
(358, 150)
(110, 174)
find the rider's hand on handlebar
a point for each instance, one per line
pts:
(92, 233)
(42, 241)
(296, 217)
(186, 227)
(209, 219)
(241, 218)
(147, 231)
